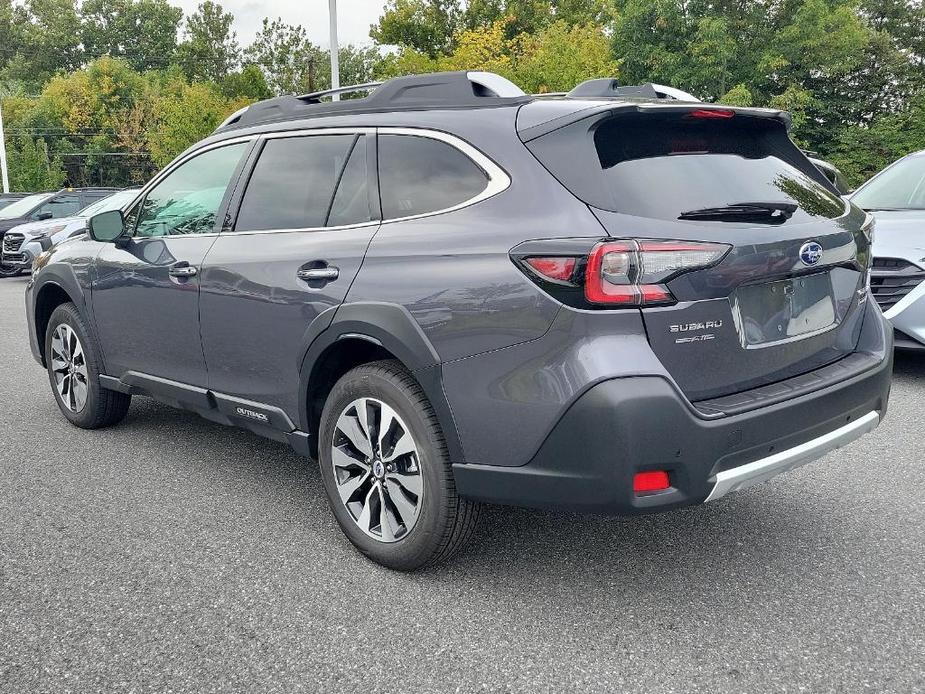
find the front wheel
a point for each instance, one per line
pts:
(386, 470)
(74, 373)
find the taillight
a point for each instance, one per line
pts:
(553, 268)
(633, 273)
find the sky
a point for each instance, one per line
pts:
(353, 17)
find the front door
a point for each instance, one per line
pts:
(299, 238)
(145, 292)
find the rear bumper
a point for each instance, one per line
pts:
(628, 425)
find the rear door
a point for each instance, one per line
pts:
(786, 297)
(305, 219)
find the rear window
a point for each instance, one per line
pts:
(666, 166)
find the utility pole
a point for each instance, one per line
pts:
(335, 59)
(3, 172)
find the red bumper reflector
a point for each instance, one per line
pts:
(650, 481)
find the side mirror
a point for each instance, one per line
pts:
(42, 216)
(106, 226)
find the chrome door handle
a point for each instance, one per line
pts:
(326, 274)
(182, 271)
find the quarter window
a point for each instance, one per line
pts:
(294, 182)
(418, 175)
(188, 199)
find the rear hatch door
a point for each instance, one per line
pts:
(786, 297)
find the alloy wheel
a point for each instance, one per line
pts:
(377, 469)
(69, 366)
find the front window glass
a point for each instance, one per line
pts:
(22, 207)
(188, 199)
(900, 187)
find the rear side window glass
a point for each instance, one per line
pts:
(418, 175)
(351, 201)
(293, 184)
(666, 166)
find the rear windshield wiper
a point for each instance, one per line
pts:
(768, 212)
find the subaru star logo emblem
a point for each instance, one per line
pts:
(810, 253)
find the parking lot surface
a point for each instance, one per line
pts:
(173, 554)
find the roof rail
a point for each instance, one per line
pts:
(315, 97)
(436, 90)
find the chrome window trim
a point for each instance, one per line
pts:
(498, 180)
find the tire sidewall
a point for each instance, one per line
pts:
(68, 314)
(423, 539)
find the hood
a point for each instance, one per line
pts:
(900, 234)
(50, 226)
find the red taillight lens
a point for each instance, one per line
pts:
(633, 272)
(651, 481)
(712, 113)
(560, 269)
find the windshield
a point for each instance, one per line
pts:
(900, 187)
(111, 202)
(23, 207)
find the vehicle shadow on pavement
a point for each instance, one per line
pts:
(767, 531)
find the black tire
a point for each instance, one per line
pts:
(9, 270)
(444, 522)
(103, 407)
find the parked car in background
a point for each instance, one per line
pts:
(832, 172)
(7, 199)
(22, 244)
(40, 206)
(896, 198)
(451, 292)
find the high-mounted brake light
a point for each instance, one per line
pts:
(633, 273)
(712, 113)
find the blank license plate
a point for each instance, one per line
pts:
(788, 308)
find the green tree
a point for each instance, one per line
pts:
(49, 40)
(289, 61)
(31, 167)
(426, 26)
(210, 48)
(184, 117)
(143, 32)
(249, 84)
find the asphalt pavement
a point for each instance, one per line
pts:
(173, 554)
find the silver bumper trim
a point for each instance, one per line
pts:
(759, 471)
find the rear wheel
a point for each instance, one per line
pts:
(73, 371)
(386, 470)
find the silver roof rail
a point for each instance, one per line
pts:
(317, 96)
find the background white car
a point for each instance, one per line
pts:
(896, 198)
(24, 242)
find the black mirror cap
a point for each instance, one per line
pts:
(106, 226)
(42, 216)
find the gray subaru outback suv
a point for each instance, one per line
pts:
(449, 292)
